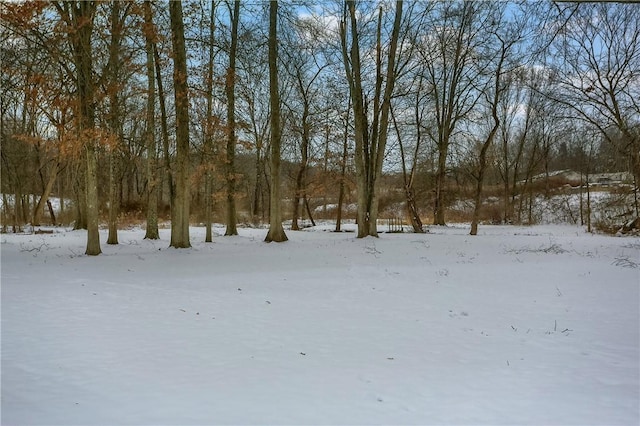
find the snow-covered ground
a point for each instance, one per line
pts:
(518, 325)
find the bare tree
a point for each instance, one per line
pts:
(343, 166)
(114, 119)
(453, 70)
(506, 33)
(512, 95)
(252, 111)
(276, 231)
(371, 140)
(230, 86)
(180, 205)
(150, 129)
(209, 130)
(410, 164)
(78, 18)
(596, 72)
(304, 65)
(35, 106)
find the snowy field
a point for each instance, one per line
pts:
(518, 325)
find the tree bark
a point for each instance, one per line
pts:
(409, 176)
(208, 133)
(51, 213)
(17, 212)
(82, 15)
(231, 124)
(37, 212)
(506, 218)
(441, 178)
(276, 230)
(180, 206)
(80, 192)
(258, 198)
(152, 232)
(343, 168)
(114, 196)
(300, 192)
(93, 235)
(453, 78)
(164, 126)
(482, 160)
(370, 143)
(114, 123)
(351, 61)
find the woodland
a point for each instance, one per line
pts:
(250, 113)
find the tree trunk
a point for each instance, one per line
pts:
(208, 132)
(300, 192)
(370, 143)
(519, 155)
(636, 205)
(114, 197)
(164, 126)
(506, 218)
(61, 193)
(80, 193)
(114, 123)
(91, 178)
(588, 179)
(441, 177)
(5, 209)
(51, 213)
(477, 199)
(276, 231)
(385, 112)
(82, 13)
(180, 206)
(526, 190)
(93, 240)
(343, 168)
(588, 205)
(482, 160)
(37, 212)
(296, 200)
(258, 202)
(409, 177)
(17, 212)
(231, 124)
(352, 68)
(152, 232)
(305, 200)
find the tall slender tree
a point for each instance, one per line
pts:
(306, 91)
(371, 139)
(507, 32)
(150, 127)
(597, 75)
(78, 17)
(230, 87)
(276, 230)
(181, 196)
(208, 131)
(114, 118)
(453, 71)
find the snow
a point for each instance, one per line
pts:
(349, 208)
(55, 202)
(519, 325)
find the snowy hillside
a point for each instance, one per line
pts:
(535, 325)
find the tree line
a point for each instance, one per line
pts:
(251, 110)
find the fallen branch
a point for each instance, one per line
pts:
(625, 262)
(23, 248)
